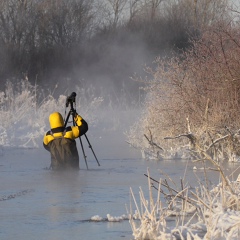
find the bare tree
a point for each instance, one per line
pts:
(65, 22)
(32, 32)
(133, 9)
(18, 29)
(197, 13)
(113, 11)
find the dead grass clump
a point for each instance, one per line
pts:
(200, 213)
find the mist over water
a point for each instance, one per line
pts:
(106, 67)
(108, 74)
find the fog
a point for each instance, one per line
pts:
(109, 71)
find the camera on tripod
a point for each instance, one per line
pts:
(71, 99)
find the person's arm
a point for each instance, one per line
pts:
(81, 123)
(47, 139)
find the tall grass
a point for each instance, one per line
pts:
(207, 212)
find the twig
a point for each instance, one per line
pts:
(217, 140)
(150, 141)
(189, 200)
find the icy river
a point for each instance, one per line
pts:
(36, 203)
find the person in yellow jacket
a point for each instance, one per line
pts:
(60, 141)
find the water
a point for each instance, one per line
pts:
(37, 203)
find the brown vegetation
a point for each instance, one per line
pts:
(203, 86)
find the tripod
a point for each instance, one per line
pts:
(72, 111)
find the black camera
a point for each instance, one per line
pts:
(71, 99)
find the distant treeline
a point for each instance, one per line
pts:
(99, 41)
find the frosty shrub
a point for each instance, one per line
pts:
(202, 85)
(24, 112)
(18, 107)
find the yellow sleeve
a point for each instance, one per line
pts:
(78, 120)
(81, 125)
(75, 131)
(47, 139)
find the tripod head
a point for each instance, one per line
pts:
(71, 99)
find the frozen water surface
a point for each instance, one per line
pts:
(37, 203)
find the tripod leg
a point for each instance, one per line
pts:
(85, 157)
(71, 111)
(90, 146)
